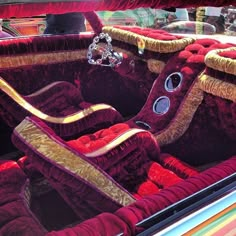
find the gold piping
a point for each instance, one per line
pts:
(161, 46)
(218, 87)
(124, 136)
(5, 87)
(54, 151)
(217, 62)
(42, 58)
(181, 122)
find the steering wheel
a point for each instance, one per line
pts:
(105, 56)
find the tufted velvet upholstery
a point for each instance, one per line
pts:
(125, 219)
(128, 158)
(186, 129)
(15, 214)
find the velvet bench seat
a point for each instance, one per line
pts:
(98, 172)
(17, 218)
(61, 105)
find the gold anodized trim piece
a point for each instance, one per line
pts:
(114, 143)
(42, 58)
(5, 87)
(181, 122)
(57, 153)
(161, 46)
(218, 87)
(217, 62)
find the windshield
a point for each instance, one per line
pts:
(202, 20)
(198, 21)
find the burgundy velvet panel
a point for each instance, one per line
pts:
(150, 33)
(105, 85)
(15, 216)
(32, 9)
(125, 219)
(42, 43)
(133, 164)
(180, 168)
(212, 132)
(97, 84)
(201, 143)
(221, 111)
(190, 63)
(94, 21)
(85, 199)
(61, 99)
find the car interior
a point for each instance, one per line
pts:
(101, 130)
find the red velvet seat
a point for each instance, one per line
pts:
(125, 219)
(61, 105)
(101, 171)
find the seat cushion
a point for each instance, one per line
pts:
(82, 184)
(98, 172)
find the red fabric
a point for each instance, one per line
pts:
(94, 21)
(228, 54)
(15, 216)
(201, 143)
(178, 167)
(212, 132)
(32, 9)
(85, 199)
(190, 63)
(92, 142)
(161, 176)
(28, 168)
(125, 219)
(150, 33)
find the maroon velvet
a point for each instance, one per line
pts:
(133, 164)
(190, 63)
(150, 33)
(125, 219)
(94, 21)
(28, 168)
(212, 132)
(61, 99)
(91, 142)
(178, 167)
(32, 9)
(97, 84)
(201, 143)
(15, 216)
(136, 173)
(85, 199)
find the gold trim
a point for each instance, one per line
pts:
(56, 152)
(161, 46)
(155, 66)
(5, 87)
(42, 58)
(218, 87)
(181, 122)
(217, 62)
(114, 143)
